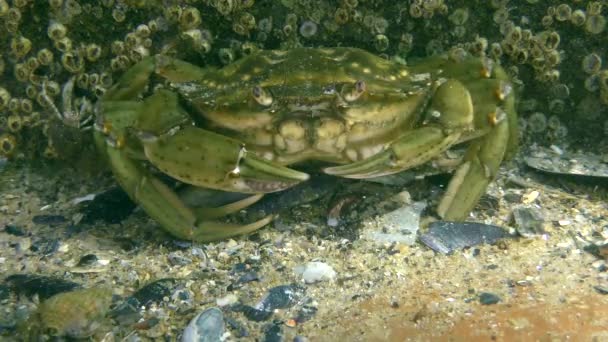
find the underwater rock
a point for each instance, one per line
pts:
(45, 246)
(306, 313)
(207, 326)
(528, 221)
(400, 226)
(87, 260)
(14, 230)
(273, 332)
(4, 292)
(50, 220)
(176, 258)
(155, 291)
(75, 314)
(281, 297)
(446, 237)
(278, 297)
(42, 286)
(315, 271)
(601, 289)
(487, 298)
(111, 206)
(127, 312)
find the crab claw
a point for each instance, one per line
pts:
(206, 159)
(448, 118)
(164, 205)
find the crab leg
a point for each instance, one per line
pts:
(449, 117)
(165, 207)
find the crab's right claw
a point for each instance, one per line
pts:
(164, 206)
(203, 158)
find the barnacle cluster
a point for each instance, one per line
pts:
(59, 56)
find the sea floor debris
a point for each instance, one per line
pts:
(373, 283)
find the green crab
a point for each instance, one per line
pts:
(244, 128)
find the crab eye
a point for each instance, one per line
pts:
(261, 96)
(351, 92)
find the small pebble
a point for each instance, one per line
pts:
(51, 220)
(273, 333)
(87, 260)
(487, 298)
(177, 259)
(529, 221)
(601, 289)
(315, 271)
(155, 291)
(226, 300)
(14, 230)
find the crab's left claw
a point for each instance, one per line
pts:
(449, 117)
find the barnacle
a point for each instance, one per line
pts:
(45, 56)
(563, 12)
(341, 16)
(8, 144)
(190, 18)
(20, 46)
(578, 17)
(594, 8)
(14, 123)
(537, 122)
(226, 56)
(56, 30)
(93, 52)
(459, 16)
(119, 15)
(591, 63)
(72, 62)
(308, 29)
(381, 42)
(595, 24)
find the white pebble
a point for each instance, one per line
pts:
(315, 271)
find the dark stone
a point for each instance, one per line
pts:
(14, 230)
(50, 220)
(43, 286)
(281, 297)
(445, 237)
(239, 330)
(45, 246)
(248, 277)
(307, 312)
(528, 221)
(601, 289)
(4, 291)
(254, 314)
(111, 206)
(273, 332)
(87, 260)
(155, 291)
(487, 298)
(127, 312)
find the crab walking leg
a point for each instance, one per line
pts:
(227, 209)
(471, 179)
(448, 118)
(164, 206)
